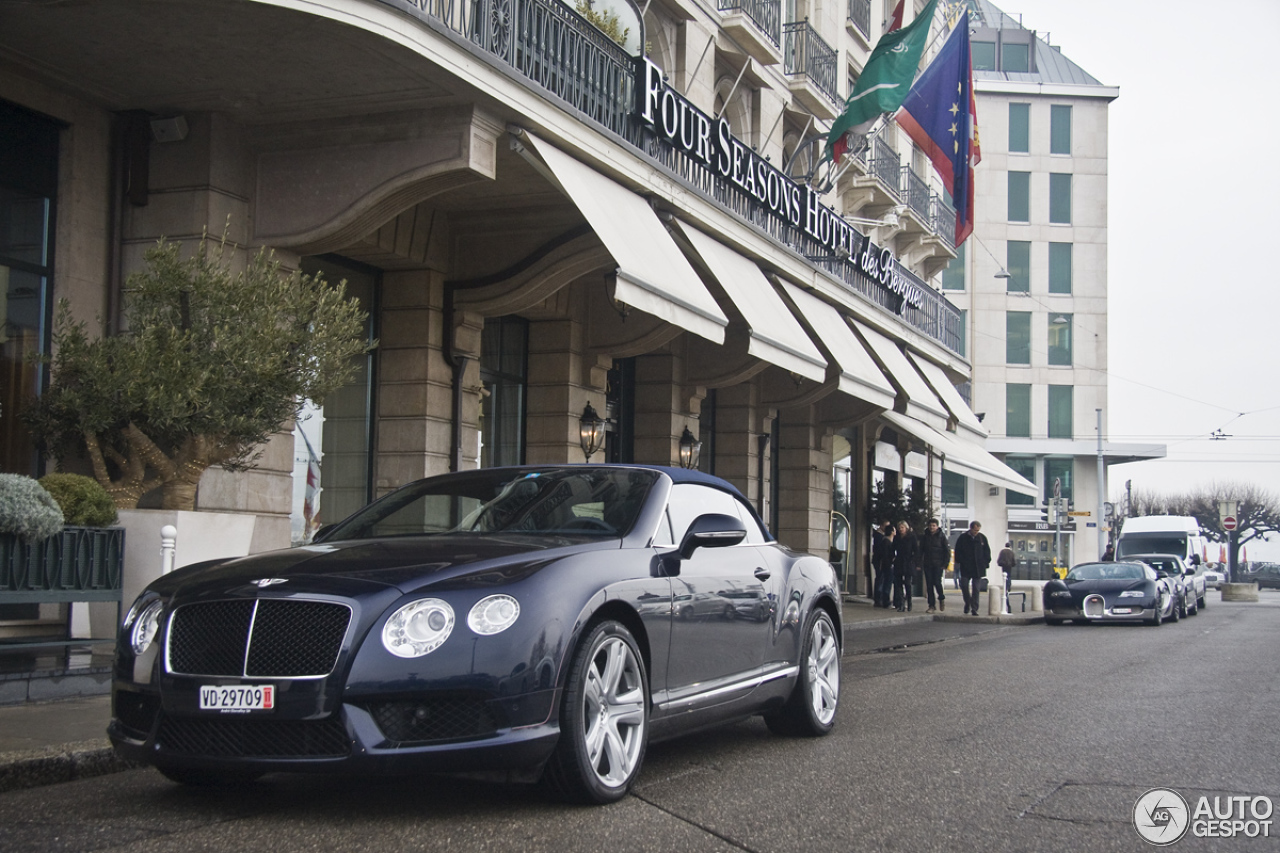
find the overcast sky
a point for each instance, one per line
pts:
(1193, 232)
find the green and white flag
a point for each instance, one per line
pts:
(885, 81)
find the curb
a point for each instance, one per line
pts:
(64, 763)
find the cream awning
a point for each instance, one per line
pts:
(941, 385)
(964, 457)
(653, 275)
(859, 375)
(775, 335)
(922, 403)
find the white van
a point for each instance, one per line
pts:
(1162, 534)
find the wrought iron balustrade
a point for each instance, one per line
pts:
(915, 192)
(942, 216)
(767, 15)
(885, 164)
(860, 14)
(805, 52)
(78, 564)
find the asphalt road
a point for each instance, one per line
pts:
(1015, 739)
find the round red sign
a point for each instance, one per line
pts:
(1229, 523)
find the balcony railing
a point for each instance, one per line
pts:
(885, 164)
(860, 14)
(805, 52)
(767, 15)
(562, 52)
(915, 192)
(942, 217)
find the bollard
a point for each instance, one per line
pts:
(168, 548)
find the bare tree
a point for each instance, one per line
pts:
(1257, 512)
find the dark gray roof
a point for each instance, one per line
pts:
(1051, 66)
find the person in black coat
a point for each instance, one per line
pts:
(935, 554)
(882, 563)
(973, 556)
(906, 557)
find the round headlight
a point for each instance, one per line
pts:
(493, 615)
(418, 628)
(145, 625)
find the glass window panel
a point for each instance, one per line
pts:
(1026, 466)
(1017, 338)
(953, 275)
(1059, 267)
(1060, 424)
(503, 370)
(22, 333)
(1059, 198)
(1018, 258)
(24, 226)
(1019, 196)
(983, 55)
(1060, 129)
(1020, 128)
(955, 487)
(964, 331)
(1062, 469)
(1017, 419)
(1060, 339)
(1015, 57)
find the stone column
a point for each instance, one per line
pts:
(804, 487)
(557, 393)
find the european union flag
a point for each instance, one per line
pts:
(939, 114)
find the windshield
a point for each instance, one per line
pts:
(1152, 543)
(580, 502)
(1106, 571)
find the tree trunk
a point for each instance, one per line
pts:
(178, 494)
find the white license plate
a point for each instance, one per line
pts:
(257, 697)
(1122, 610)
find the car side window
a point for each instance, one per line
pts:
(690, 500)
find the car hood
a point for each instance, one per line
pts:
(1109, 585)
(408, 564)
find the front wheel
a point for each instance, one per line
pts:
(811, 709)
(604, 719)
(1200, 602)
(1157, 615)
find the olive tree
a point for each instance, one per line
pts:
(212, 364)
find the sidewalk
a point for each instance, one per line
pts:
(44, 742)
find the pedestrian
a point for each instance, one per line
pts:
(935, 554)
(906, 556)
(1109, 555)
(882, 563)
(1006, 561)
(973, 556)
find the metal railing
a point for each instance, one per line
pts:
(915, 192)
(860, 14)
(767, 15)
(942, 218)
(559, 50)
(885, 164)
(78, 564)
(805, 52)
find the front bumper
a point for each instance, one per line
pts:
(1095, 608)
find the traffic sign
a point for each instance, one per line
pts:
(1229, 523)
(1077, 512)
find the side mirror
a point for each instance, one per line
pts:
(712, 530)
(1189, 571)
(1195, 559)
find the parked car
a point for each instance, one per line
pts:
(500, 619)
(1189, 583)
(1265, 575)
(1214, 578)
(1110, 592)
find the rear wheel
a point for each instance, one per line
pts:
(604, 719)
(1200, 602)
(208, 778)
(1174, 611)
(811, 709)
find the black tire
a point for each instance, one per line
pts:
(811, 708)
(604, 727)
(209, 778)
(1200, 602)
(1158, 618)
(1174, 611)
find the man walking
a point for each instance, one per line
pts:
(935, 553)
(1006, 561)
(882, 563)
(973, 556)
(906, 557)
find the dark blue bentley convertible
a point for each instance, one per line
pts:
(546, 619)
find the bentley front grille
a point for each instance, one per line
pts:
(257, 638)
(249, 738)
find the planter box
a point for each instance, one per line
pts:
(81, 564)
(201, 536)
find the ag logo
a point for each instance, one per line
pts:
(1161, 816)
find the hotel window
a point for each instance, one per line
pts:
(1020, 196)
(953, 275)
(1060, 268)
(1060, 129)
(983, 55)
(955, 487)
(1015, 57)
(504, 373)
(1060, 424)
(1017, 417)
(1017, 337)
(1026, 466)
(1019, 128)
(1059, 198)
(1061, 469)
(1060, 339)
(1018, 257)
